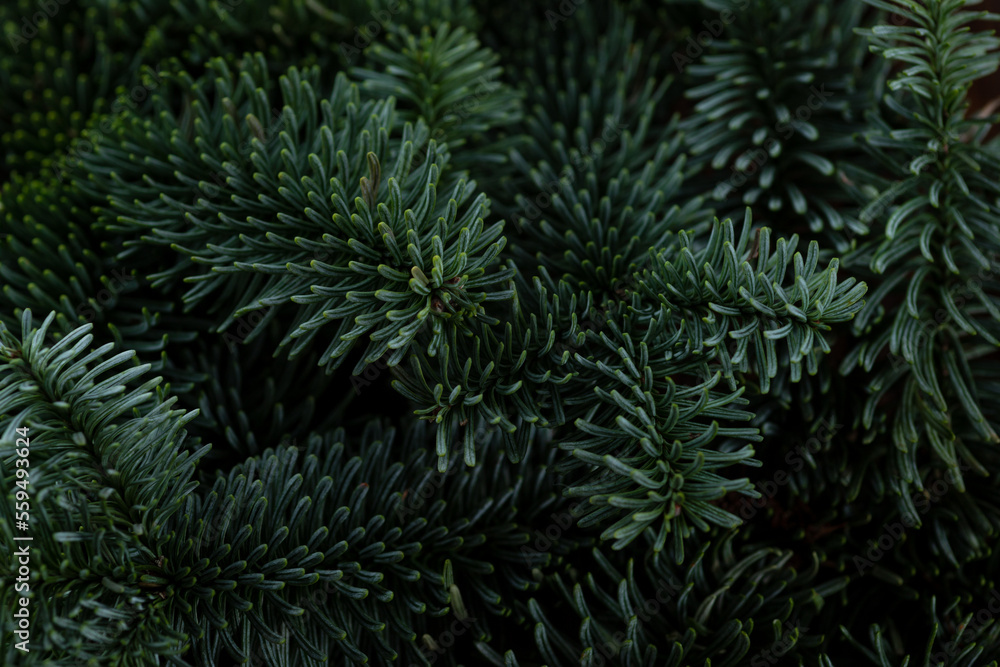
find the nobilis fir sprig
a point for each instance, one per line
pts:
(602, 97)
(107, 471)
(353, 550)
(380, 551)
(955, 638)
(613, 391)
(602, 179)
(447, 79)
(248, 401)
(649, 445)
(736, 293)
(63, 66)
(778, 95)
(318, 211)
(51, 262)
(647, 610)
(932, 326)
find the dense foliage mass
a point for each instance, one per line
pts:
(456, 332)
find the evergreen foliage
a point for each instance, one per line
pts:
(416, 332)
